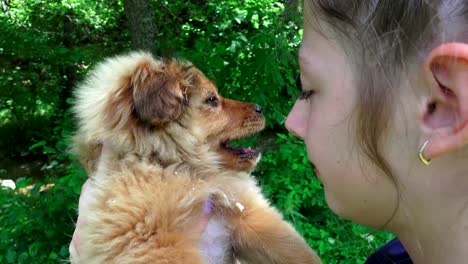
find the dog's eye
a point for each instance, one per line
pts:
(213, 101)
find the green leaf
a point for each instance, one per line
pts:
(53, 255)
(38, 144)
(23, 182)
(64, 251)
(33, 249)
(11, 256)
(23, 257)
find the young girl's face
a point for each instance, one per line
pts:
(324, 118)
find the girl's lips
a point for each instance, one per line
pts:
(317, 172)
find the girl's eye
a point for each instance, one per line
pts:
(304, 95)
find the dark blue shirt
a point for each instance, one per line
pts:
(391, 253)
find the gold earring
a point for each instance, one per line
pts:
(423, 159)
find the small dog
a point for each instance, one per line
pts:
(169, 162)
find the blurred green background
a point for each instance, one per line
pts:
(247, 47)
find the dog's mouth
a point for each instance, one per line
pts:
(241, 152)
(235, 155)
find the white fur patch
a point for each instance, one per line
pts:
(215, 244)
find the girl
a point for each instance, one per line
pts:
(384, 115)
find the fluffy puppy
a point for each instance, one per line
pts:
(170, 162)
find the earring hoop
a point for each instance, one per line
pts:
(423, 159)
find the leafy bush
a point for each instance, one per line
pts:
(37, 219)
(36, 226)
(249, 50)
(45, 48)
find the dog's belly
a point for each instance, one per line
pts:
(216, 244)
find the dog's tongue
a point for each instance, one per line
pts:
(238, 150)
(248, 150)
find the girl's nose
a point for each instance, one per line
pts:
(295, 122)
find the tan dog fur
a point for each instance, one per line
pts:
(166, 159)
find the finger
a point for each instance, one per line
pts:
(85, 198)
(82, 205)
(84, 201)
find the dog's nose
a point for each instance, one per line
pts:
(258, 108)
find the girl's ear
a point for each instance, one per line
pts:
(446, 114)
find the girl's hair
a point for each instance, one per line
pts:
(387, 37)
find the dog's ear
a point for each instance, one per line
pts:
(158, 92)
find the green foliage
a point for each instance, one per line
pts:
(45, 47)
(248, 47)
(37, 221)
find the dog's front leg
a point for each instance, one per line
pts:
(260, 234)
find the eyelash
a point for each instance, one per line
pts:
(305, 95)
